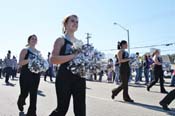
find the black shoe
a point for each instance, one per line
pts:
(7, 83)
(165, 107)
(164, 92)
(148, 89)
(129, 100)
(112, 96)
(20, 104)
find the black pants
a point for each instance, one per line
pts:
(124, 76)
(8, 73)
(168, 98)
(29, 85)
(14, 72)
(158, 74)
(68, 84)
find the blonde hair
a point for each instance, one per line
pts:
(65, 22)
(155, 51)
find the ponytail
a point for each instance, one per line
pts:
(118, 45)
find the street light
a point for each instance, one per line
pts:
(127, 30)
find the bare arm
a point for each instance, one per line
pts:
(120, 58)
(56, 58)
(22, 61)
(156, 61)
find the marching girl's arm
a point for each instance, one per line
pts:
(120, 58)
(22, 61)
(56, 58)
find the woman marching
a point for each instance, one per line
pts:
(158, 72)
(123, 59)
(67, 83)
(29, 81)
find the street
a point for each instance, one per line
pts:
(98, 100)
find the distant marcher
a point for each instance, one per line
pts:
(146, 69)
(8, 67)
(14, 67)
(158, 72)
(150, 60)
(110, 70)
(123, 58)
(49, 72)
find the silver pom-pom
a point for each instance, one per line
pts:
(86, 61)
(37, 64)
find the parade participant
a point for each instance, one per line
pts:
(28, 80)
(158, 72)
(49, 72)
(8, 67)
(14, 67)
(167, 100)
(146, 69)
(67, 83)
(124, 67)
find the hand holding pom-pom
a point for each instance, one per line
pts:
(37, 64)
(86, 57)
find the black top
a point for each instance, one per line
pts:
(24, 69)
(66, 50)
(125, 55)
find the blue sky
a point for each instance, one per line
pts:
(150, 22)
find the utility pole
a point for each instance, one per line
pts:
(88, 36)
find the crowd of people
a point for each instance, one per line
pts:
(68, 84)
(8, 67)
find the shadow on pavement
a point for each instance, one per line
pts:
(15, 79)
(9, 84)
(137, 85)
(152, 107)
(41, 93)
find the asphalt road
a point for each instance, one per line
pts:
(98, 100)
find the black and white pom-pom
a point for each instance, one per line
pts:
(37, 64)
(85, 61)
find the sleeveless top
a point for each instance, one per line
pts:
(159, 59)
(24, 68)
(66, 50)
(125, 55)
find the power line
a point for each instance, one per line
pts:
(169, 44)
(140, 47)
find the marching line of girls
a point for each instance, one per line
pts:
(68, 84)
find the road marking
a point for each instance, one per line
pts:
(99, 98)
